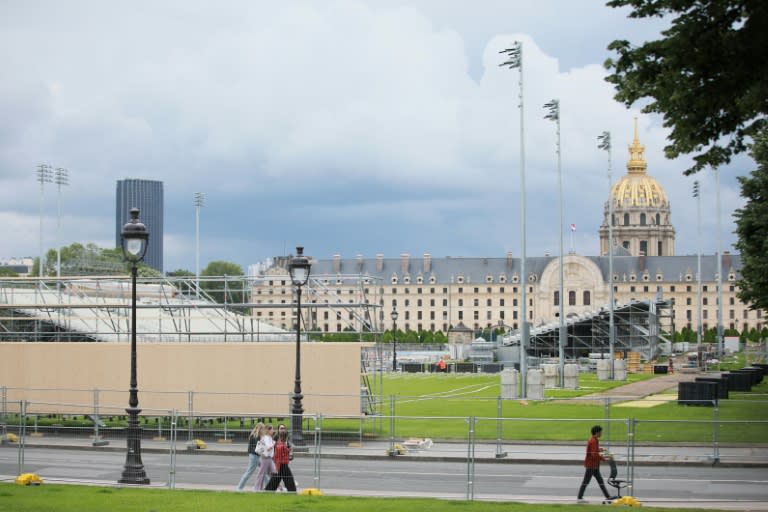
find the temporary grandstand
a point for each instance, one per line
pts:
(640, 326)
(99, 309)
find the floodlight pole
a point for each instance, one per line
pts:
(605, 144)
(515, 61)
(554, 115)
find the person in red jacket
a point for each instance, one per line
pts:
(282, 457)
(592, 464)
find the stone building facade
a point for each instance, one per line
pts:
(436, 294)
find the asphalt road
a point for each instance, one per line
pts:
(698, 486)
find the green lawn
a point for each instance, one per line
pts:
(437, 406)
(76, 498)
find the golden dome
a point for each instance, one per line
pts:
(636, 188)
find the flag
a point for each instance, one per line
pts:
(573, 227)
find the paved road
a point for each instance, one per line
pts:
(693, 485)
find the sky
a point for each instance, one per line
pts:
(345, 126)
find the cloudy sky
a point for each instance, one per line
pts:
(348, 126)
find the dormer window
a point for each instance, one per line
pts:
(489, 278)
(502, 278)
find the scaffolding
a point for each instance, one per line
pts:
(643, 327)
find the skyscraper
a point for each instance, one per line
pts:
(147, 196)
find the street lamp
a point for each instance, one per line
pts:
(298, 268)
(135, 238)
(394, 339)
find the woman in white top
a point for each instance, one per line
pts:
(266, 467)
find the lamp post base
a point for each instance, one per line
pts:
(133, 471)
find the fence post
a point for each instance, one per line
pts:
(22, 435)
(172, 433)
(500, 453)
(318, 448)
(716, 432)
(607, 418)
(392, 426)
(471, 458)
(190, 409)
(631, 456)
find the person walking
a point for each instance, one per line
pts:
(266, 450)
(282, 457)
(253, 457)
(592, 465)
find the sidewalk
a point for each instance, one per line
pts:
(443, 451)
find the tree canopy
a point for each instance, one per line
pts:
(707, 77)
(227, 291)
(752, 229)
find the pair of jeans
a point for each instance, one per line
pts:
(253, 464)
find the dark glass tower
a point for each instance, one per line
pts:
(147, 196)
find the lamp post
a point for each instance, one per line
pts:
(298, 268)
(135, 238)
(394, 340)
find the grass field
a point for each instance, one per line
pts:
(76, 498)
(437, 406)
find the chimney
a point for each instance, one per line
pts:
(726, 259)
(379, 262)
(427, 263)
(337, 263)
(404, 263)
(509, 259)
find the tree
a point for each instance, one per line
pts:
(707, 77)
(224, 291)
(752, 229)
(8, 272)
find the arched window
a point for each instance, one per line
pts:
(587, 298)
(626, 219)
(658, 219)
(642, 219)
(571, 298)
(557, 298)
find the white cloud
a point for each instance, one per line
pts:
(390, 120)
